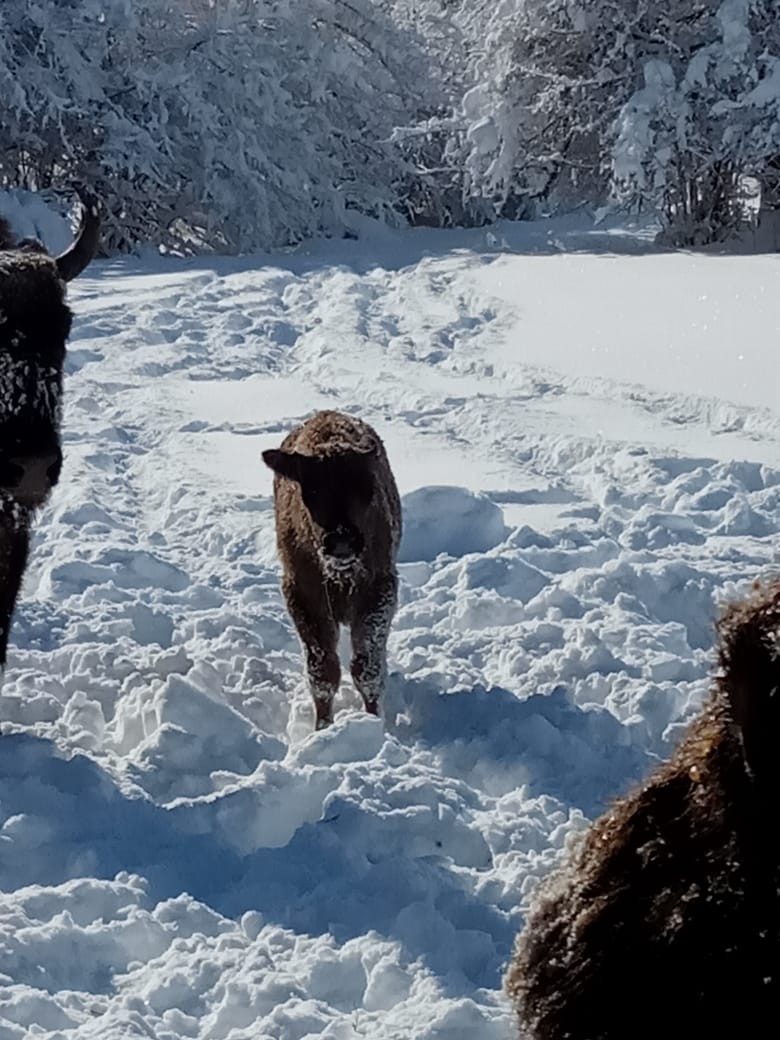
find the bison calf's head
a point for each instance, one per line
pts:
(336, 492)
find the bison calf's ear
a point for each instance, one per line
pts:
(285, 463)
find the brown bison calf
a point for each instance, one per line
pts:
(338, 527)
(666, 922)
(34, 327)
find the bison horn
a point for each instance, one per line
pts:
(72, 262)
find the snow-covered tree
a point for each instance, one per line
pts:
(432, 191)
(229, 125)
(706, 115)
(666, 106)
(549, 76)
(237, 124)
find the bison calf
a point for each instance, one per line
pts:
(34, 327)
(338, 527)
(666, 922)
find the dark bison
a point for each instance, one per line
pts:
(34, 327)
(338, 527)
(666, 921)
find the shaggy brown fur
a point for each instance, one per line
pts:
(666, 922)
(338, 527)
(35, 324)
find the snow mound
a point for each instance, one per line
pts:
(448, 520)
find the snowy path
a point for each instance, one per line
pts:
(367, 881)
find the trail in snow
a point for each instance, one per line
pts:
(581, 490)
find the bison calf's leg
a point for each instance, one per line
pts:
(324, 673)
(319, 636)
(14, 546)
(370, 631)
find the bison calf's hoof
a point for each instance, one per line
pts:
(324, 713)
(338, 528)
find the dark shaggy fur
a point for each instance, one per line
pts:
(666, 921)
(338, 525)
(35, 324)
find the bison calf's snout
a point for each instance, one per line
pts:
(34, 478)
(342, 544)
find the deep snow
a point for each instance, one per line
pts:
(587, 435)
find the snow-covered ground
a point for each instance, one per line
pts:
(587, 433)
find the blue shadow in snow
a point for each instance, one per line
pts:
(83, 825)
(349, 873)
(580, 756)
(393, 250)
(86, 826)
